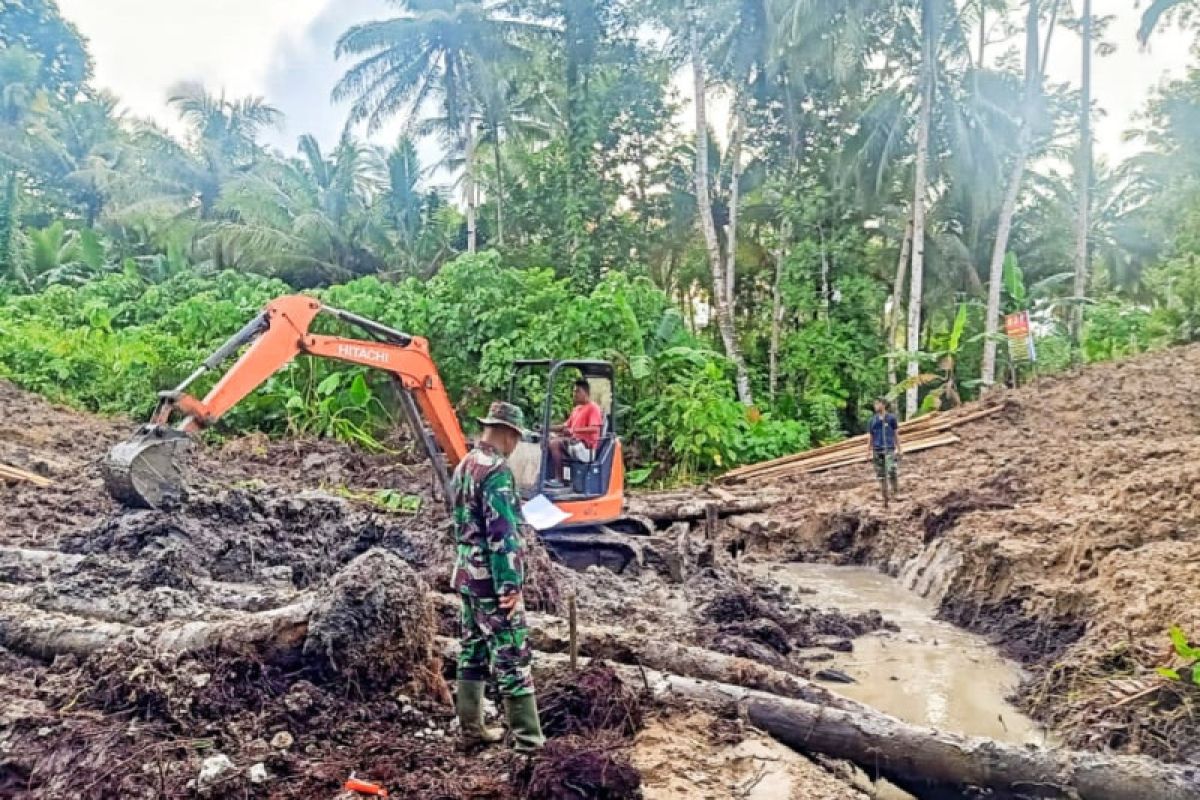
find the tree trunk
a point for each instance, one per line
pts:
(826, 291)
(920, 187)
(44, 634)
(785, 235)
(1013, 192)
(1084, 170)
(932, 762)
(893, 321)
(499, 191)
(708, 226)
(469, 185)
(550, 635)
(735, 191)
(982, 31)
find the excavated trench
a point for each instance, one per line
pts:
(927, 671)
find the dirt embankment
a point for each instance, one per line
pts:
(1067, 526)
(105, 700)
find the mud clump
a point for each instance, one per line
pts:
(233, 535)
(580, 768)
(374, 626)
(755, 622)
(592, 700)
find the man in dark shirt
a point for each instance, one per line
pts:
(884, 447)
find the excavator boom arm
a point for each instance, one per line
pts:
(275, 337)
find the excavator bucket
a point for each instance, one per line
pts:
(146, 470)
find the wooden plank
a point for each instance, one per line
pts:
(940, 440)
(13, 473)
(856, 453)
(930, 424)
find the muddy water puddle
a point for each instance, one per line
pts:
(930, 673)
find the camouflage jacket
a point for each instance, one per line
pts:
(490, 560)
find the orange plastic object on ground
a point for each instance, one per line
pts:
(363, 787)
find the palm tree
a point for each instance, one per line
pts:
(306, 217)
(224, 137)
(78, 147)
(1035, 73)
(189, 178)
(1158, 9)
(708, 227)
(920, 188)
(1084, 175)
(19, 91)
(444, 51)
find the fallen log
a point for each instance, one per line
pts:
(551, 635)
(930, 762)
(377, 600)
(46, 634)
(694, 507)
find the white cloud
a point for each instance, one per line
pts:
(283, 49)
(143, 47)
(1122, 82)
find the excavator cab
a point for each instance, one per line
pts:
(587, 480)
(595, 531)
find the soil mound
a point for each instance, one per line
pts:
(581, 768)
(374, 626)
(591, 700)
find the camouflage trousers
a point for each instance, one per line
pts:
(885, 464)
(493, 642)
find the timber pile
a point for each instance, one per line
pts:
(10, 473)
(916, 435)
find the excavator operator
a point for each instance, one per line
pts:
(580, 436)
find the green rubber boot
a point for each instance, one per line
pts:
(883, 485)
(522, 714)
(469, 705)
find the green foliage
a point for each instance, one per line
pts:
(1185, 651)
(112, 343)
(1175, 286)
(1114, 329)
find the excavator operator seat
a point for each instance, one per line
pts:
(591, 478)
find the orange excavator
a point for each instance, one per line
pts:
(147, 470)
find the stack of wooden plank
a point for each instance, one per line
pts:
(933, 430)
(8, 473)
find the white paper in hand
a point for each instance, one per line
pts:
(542, 514)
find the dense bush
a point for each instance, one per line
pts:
(111, 344)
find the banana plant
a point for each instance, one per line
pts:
(938, 367)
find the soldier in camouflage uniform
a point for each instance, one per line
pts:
(489, 573)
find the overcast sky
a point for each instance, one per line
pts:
(283, 49)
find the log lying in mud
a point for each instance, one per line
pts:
(550, 635)
(45, 634)
(679, 506)
(935, 763)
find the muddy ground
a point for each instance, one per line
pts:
(272, 524)
(1067, 527)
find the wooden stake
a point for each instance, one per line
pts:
(573, 632)
(712, 518)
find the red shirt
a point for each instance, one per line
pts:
(590, 416)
